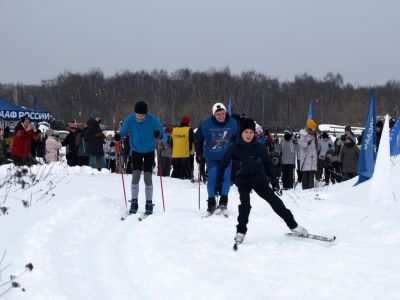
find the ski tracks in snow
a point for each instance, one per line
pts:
(76, 243)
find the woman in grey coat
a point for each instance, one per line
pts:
(348, 157)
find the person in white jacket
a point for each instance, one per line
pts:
(53, 147)
(308, 146)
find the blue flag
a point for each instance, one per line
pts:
(310, 112)
(34, 102)
(229, 109)
(366, 161)
(394, 146)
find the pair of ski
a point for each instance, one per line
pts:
(140, 218)
(308, 236)
(218, 211)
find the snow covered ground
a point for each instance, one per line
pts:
(81, 249)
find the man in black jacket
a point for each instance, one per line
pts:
(94, 139)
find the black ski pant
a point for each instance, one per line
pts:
(181, 168)
(265, 192)
(307, 179)
(287, 176)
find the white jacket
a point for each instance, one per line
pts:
(307, 152)
(52, 148)
(324, 146)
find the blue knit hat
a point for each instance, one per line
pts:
(95, 114)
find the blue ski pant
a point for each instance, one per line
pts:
(212, 168)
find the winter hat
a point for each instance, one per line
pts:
(141, 108)
(95, 114)
(49, 132)
(379, 124)
(311, 124)
(288, 131)
(247, 124)
(259, 128)
(218, 106)
(168, 130)
(347, 128)
(186, 120)
(325, 135)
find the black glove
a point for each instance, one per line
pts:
(277, 189)
(218, 189)
(112, 144)
(199, 158)
(157, 134)
(117, 137)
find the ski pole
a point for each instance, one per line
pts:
(123, 186)
(159, 173)
(198, 177)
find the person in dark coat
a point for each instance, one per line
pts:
(379, 128)
(94, 139)
(252, 158)
(348, 157)
(72, 147)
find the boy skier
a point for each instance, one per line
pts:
(252, 157)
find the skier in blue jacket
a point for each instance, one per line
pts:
(143, 129)
(212, 139)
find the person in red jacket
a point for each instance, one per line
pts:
(21, 145)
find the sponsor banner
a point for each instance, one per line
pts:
(15, 115)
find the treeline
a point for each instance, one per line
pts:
(184, 92)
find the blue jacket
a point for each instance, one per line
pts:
(141, 134)
(213, 138)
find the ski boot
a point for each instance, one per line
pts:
(134, 206)
(149, 207)
(211, 205)
(239, 238)
(222, 206)
(223, 202)
(300, 231)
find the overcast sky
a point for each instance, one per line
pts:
(283, 38)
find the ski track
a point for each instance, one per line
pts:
(78, 241)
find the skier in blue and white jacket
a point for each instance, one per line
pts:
(212, 139)
(143, 129)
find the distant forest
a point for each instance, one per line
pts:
(170, 96)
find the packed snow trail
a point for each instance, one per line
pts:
(81, 249)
